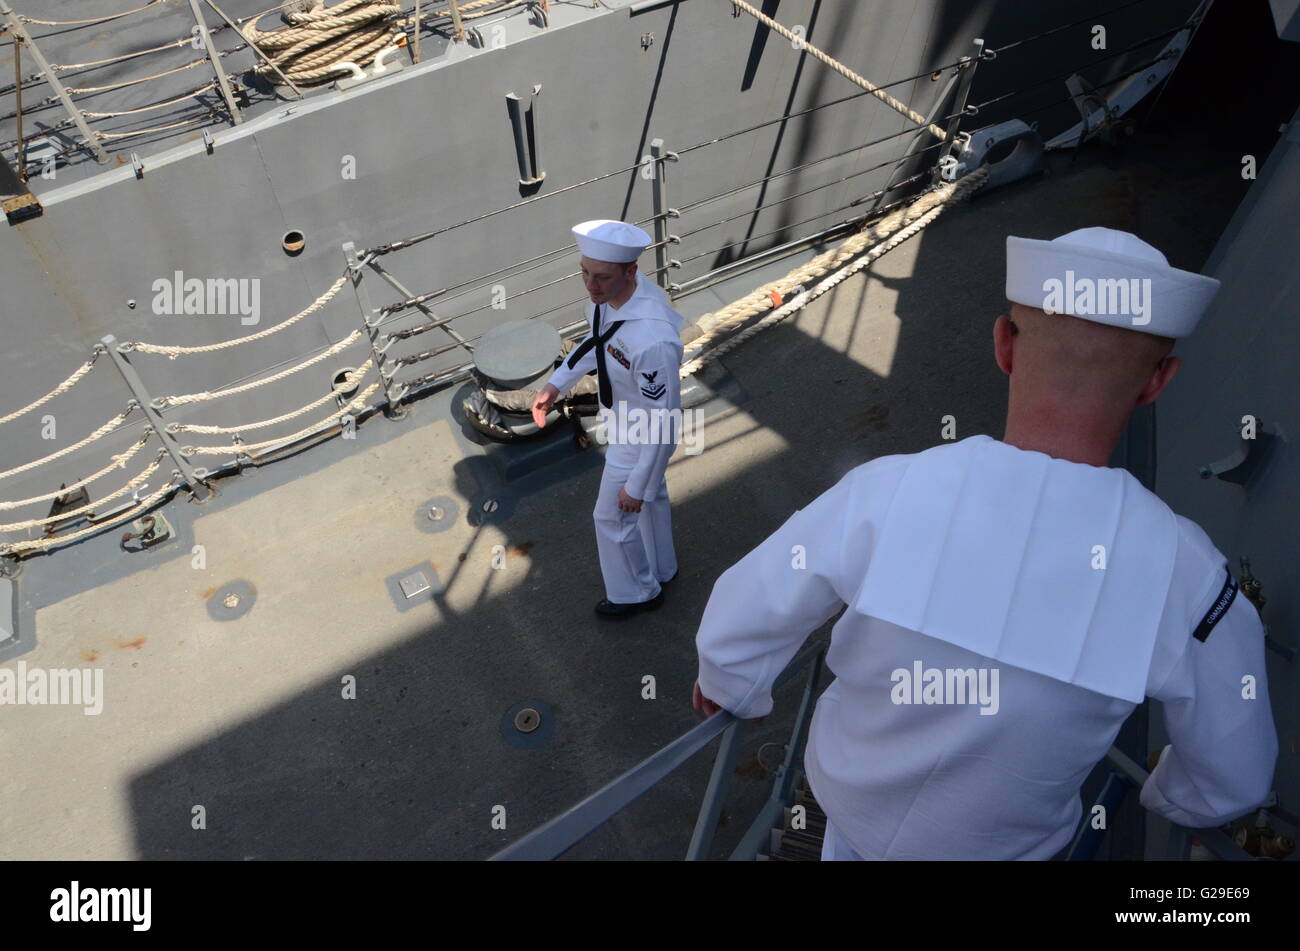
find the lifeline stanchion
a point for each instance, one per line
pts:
(235, 116)
(370, 318)
(659, 156)
(69, 106)
(958, 110)
(193, 476)
(962, 72)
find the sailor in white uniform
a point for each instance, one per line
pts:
(1009, 603)
(635, 349)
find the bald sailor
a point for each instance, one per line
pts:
(1010, 602)
(635, 350)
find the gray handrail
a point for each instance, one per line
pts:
(553, 838)
(1219, 844)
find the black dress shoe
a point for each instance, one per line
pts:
(608, 608)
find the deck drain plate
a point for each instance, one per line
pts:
(414, 584)
(437, 514)
(528, 724)
(232, 600)
(417, 585)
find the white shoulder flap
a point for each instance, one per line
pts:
(1056, 567)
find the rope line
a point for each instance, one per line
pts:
(105, 136)
(100, 433)
(174, 352)
(157, 105)
(833, 102)
(718, 322)
(896, 104)
(131, 486)
(105, 19)
(350, 382)
(41, 544)
(142, 79)
(60, 67)
(203, 397)
(239, 448)
(119, 462)
(63, 387)
(894, 230)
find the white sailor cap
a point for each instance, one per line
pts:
(607, 240)
(1109, 277)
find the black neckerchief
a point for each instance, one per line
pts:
(597, 340)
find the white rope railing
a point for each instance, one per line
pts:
(63, 387)
(355, 406)
(100, 433)
(894, 229)
(42, 544)
(350, 382)
(174, 352)
(103, 19)
(220, 394)
(131, 486)
(119, 462)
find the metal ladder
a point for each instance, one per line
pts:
(788, 844)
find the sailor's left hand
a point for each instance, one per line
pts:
(628, 504)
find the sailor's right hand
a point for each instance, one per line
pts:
(703, 704)
(542, 405)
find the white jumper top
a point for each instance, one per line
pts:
(1006, 612)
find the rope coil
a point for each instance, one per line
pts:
(318, 38)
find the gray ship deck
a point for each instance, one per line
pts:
(245, 717)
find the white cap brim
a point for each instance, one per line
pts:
(614, 241)
(1059, 277)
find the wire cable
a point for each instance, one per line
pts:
(1057, 29)
(1100, 59)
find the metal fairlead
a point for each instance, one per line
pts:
(1026, 156)
(149, 531)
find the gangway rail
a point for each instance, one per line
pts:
(555, 837)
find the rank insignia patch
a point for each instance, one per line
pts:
(617, 354)
(650, 388)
